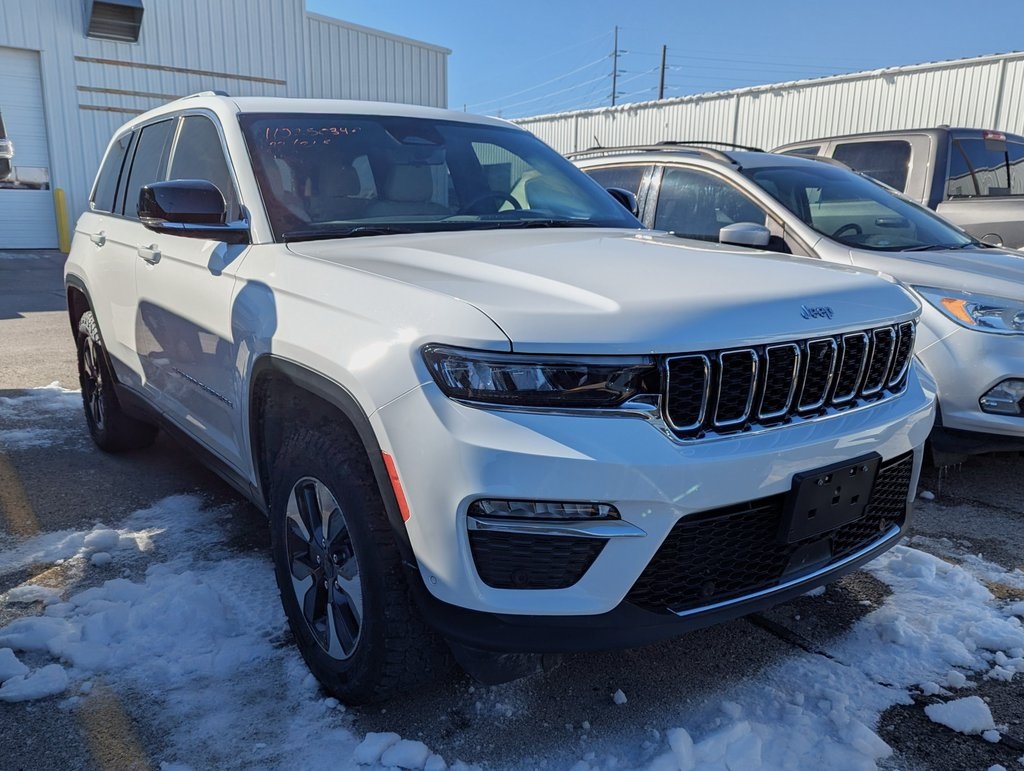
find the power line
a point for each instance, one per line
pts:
(559, 52)
(555, 93)
(539, 85)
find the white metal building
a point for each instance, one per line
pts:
(71, 71)
(982, 92)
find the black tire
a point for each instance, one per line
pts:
(381, 646)
(110, 427)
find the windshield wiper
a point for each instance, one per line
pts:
(347, 231)
(936, 247)
(548, 222)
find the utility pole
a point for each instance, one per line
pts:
(615, 65)
(661, 83)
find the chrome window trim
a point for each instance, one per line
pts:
(794, 379)
(750, 393)
(831, 343)
(702, 415)
(844, 398)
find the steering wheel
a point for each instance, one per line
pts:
(492, 196)
(853, 227)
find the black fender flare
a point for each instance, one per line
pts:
(335, 395)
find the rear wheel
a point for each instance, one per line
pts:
(340, 573)
(110, 427)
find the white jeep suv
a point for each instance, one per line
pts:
(485, 411)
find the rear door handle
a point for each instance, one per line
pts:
(149, 253)
(98, 238)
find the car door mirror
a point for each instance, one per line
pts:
(626, 198)
(745, 234)
(193, 208)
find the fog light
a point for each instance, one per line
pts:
(1007, 398)
(556, 510)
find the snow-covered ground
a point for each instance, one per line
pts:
(165, 612)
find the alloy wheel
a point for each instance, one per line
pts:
(92, 380)
(323, 567)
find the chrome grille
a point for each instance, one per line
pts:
(719, 392)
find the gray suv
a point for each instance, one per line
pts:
(973, 294)
(972, 177)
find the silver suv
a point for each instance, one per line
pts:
(973, 295)
(972, 177)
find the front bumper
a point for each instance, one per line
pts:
(967, 364)
(448, 455)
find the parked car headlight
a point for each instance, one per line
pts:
(540, 381)
(998, 315)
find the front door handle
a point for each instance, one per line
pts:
(150, 254)
(98, 238)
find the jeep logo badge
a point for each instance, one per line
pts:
(816, 312)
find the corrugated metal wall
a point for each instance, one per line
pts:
(347, 61)
(244, 47)
(983, 92)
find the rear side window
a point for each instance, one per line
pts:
(985, 167)
(198, 154)
(886, 160)
(150, 162)
(110, 173)
(624, 177)
(812, 150)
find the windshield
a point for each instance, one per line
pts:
(330, 176)
(855, 211)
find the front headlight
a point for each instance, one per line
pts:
(540, 381)
(998, 315)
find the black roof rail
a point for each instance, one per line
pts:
(732, 145)
(595, 152)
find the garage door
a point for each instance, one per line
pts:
(26, 201)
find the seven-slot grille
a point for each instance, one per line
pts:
(726, 391)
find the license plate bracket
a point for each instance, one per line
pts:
(828, 497)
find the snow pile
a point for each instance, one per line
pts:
(19, 414)
(969, 715)
(812, 712)
(199, 632)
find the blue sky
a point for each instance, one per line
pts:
(535, 56)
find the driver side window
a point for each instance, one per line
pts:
(694, 204)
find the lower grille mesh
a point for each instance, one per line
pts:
(519, 561)
(728, 553)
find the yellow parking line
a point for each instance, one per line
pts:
(109, 731)
(14, 505)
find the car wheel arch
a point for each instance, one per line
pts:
(278, 386)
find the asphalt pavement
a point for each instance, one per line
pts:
(978, 508)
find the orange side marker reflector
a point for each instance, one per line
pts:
(396, 485)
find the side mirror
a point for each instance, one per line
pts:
(626, 198)
(745, 234)
(193, 208)
(992, 239)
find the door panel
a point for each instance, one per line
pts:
(183, 330)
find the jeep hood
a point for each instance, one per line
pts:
(623, 291)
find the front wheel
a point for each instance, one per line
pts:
(109, 426)
(340, 573)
